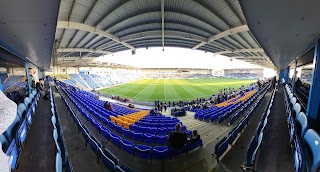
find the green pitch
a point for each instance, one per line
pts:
(173, 89)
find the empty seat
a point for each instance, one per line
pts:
(115, 139)
(160, 152)
(161, 139)
(302, 124)
(312, 142)
(127, 146)
(143, 151)
(58, 162)
(149, 138)
(137, 136)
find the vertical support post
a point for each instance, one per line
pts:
(294, 75)
(1, 88)
(314, 98)
(28, 77)
(286, 74)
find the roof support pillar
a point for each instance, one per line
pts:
(294, 75)
(1, 88)
(313, 110)
(28, 77)
(162, 18)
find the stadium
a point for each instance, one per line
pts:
(159, 85)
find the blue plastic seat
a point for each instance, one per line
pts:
(161, 139)
(160, 152)
(312, 141)
(58, 162)
(143, 129)
(302, 124)
(126, 132)
(108, 162)
(162, 131)
(115, 139)
(118, 129)
(127, 146)
(137, 136)
(149, 138)
(143, 151)
(21, 110)
(153, 130)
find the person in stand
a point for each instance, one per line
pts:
(177, 139)
(107, 105)
(169, 104)
(165, 107)
(41, 89)
(194, 137)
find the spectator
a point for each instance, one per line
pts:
(41, 89)
(177, 139)
(107, 105)
(194, 137)
(8, 112)
(165, 106)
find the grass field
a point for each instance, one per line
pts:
(149, 90)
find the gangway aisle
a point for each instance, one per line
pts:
(83, 159)
(235, 157)
(38, 153)
(275, 153)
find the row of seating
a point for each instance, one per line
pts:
(226, 143)
(62, 162)
(108, 159)
(255, 143)
(92, 83)
(136, 132)
(215, 112)
(304, 141)
(242, 109)
(10, 81)
(14, 137)
(143, 151)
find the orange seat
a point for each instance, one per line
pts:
(126, 125)
(119, 122)
(113, 119)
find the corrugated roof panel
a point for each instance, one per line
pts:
(99, 43)
(141, 28)
(94, 40)
(195, 9)
(100, 9)
(64, 10)
(86, 39)
(77, 38)
(226, 43)
(188, 29)
(67, 36)
(135, 19)
(80, 9)
(241, 40)
(236, 6)
(222, 8)
(232, 41)
(131, 8)
(249, 37)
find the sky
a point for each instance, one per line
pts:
(174, 58)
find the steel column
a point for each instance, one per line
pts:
(28, 77)
(1, 88)
(294, 75)
(314, 98)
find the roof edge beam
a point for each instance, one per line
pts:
(242, 28)
(250, 50)
(91, 29)
(62, 50)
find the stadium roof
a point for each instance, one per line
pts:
(92, 28)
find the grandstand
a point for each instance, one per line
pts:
(118, 114)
